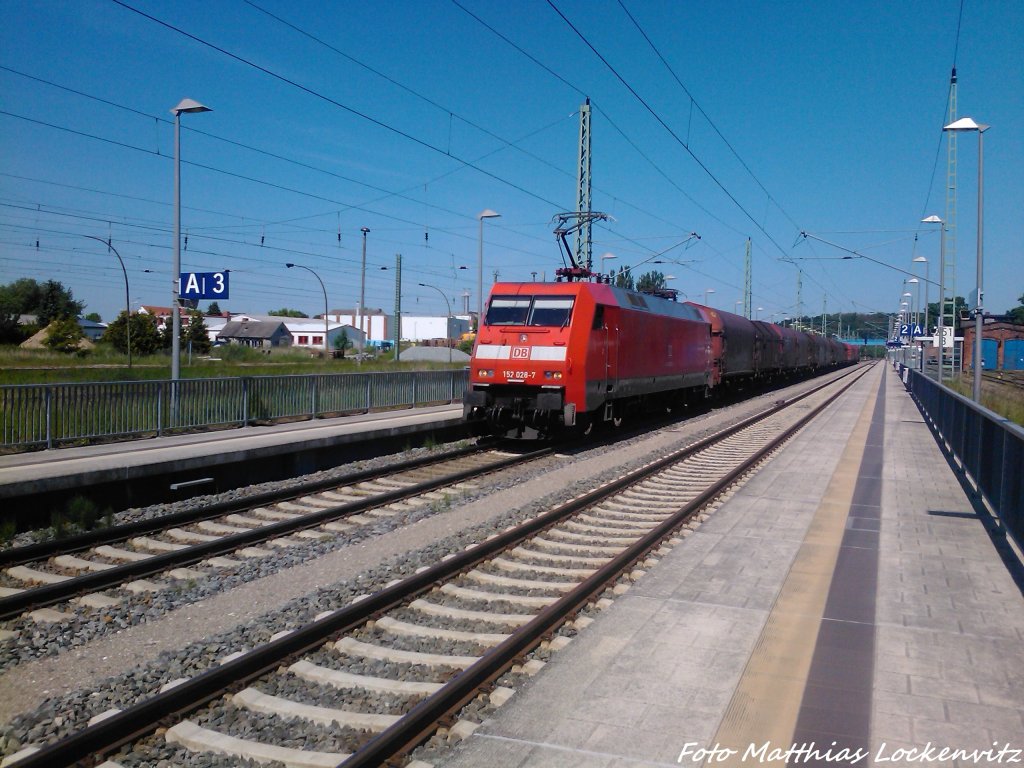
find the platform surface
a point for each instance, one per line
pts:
(848, 607)
(65, 464)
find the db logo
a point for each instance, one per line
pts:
(520, 353)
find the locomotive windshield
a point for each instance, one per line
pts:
(508, 310)
(551, 310)
(530, 310)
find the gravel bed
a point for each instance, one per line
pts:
(497, 606)
(155, 752)
(294, 733)
(495, 570)
(338, 474)
(288, 686)
(419, 644)
(412, 616)
(58, 716)
(413, 673)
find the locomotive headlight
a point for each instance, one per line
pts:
(485, 373)
(553, 375)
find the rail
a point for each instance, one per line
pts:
(48, 415)
(988, 447)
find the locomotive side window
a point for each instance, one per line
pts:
(508, 310)
(551, 310)
(598, 323)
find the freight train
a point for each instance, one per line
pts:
(568, 355)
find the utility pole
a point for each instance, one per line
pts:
(747, 285)
(947, 309)
(398, 306)
(799, 295)
(362, 284)
(583, 247)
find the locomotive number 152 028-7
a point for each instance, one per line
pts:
(519, 374)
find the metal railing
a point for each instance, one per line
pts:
(48, 415)
(988, 447)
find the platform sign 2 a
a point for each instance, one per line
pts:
(910, 329)
(203, 285)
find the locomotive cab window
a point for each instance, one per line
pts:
(508, 310)
(551, 310)
(530, 310)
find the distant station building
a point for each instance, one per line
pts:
(1002, 344)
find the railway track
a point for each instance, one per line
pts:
(98, 569)
(1013, 380)
(369, 681)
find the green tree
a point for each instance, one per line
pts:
(624, 278)
(63, 334)
(10, 330)
(94, 317)
(145, 336)
(650, 282)
(57, 302)
(959, 308)
(197, 334)
(1017, 313)
(21, 297)
(284, 312)
(214, 310)
(48, 301)
(341, 343)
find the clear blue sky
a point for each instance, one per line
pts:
(410, 118)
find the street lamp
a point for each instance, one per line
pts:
(448, 320)
(968, 124)
(314, 274)
(940, 333)
(923, 260)
(605, 257)
(917, 299)
(186, 105)
(706, 292)
(759, 311)
(737, 304)
(127, 301)
(487, 213)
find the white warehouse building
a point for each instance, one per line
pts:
(380, 327)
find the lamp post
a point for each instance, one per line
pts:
(737, 304)
(968, 124)
(917, 299)
(605, 257)
(759, 311)
(487, 213)
(314, 274)
(707, 292)
(923, 260)
(939, 332)
(362, 283)
(127, 301)
(448, 320)
(186, 105)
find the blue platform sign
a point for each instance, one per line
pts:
(909, 329)
(203, 285)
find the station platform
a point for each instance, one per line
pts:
(849, 606)
(171, 467)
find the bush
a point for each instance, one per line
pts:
(63, 335)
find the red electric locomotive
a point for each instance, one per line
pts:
(566, 354)
(555, 355)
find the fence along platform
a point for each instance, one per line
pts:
(49, 415)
